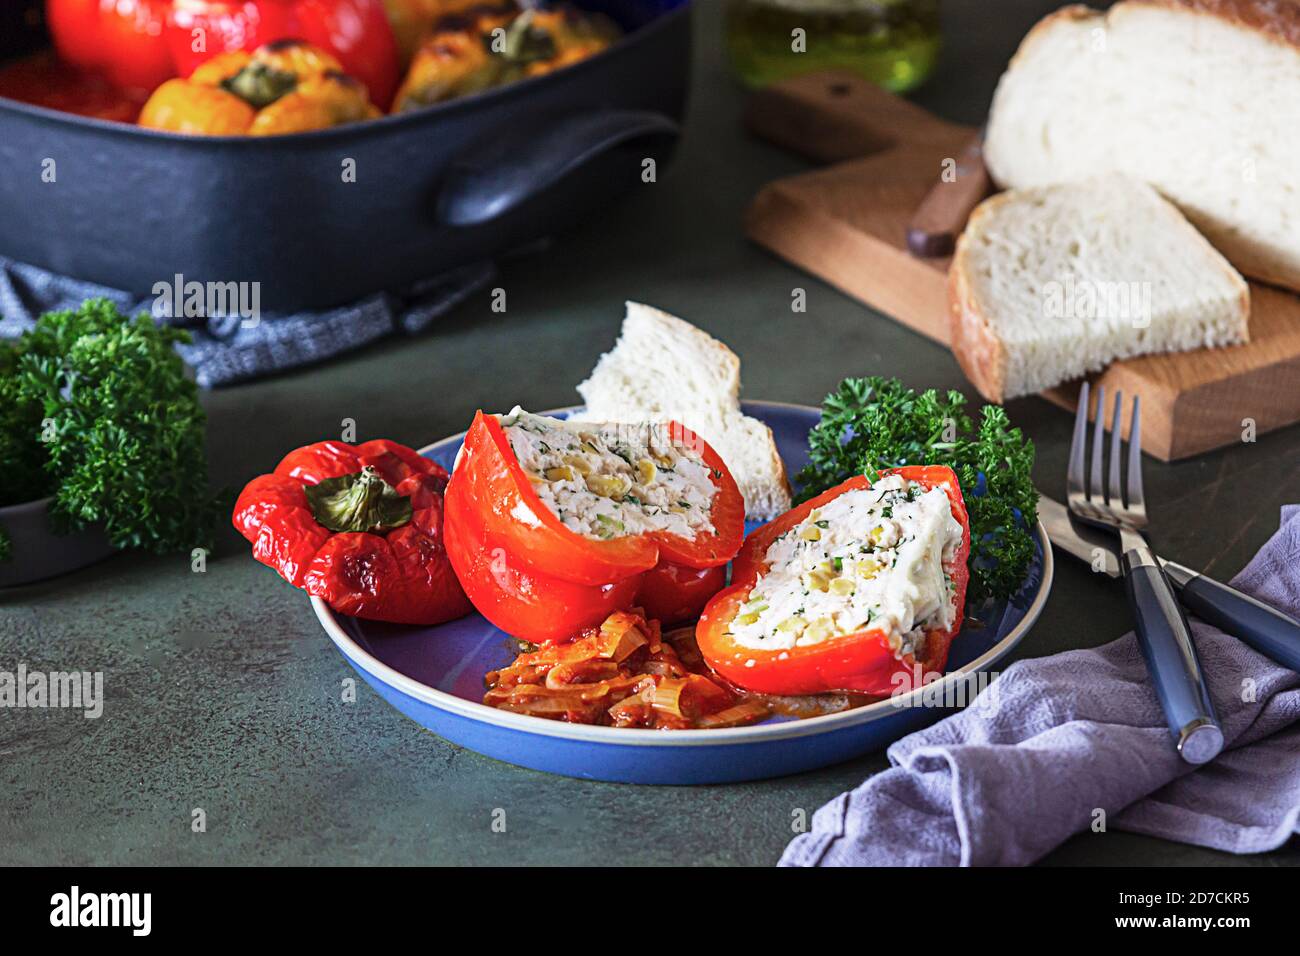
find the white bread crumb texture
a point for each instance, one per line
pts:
(1204, 109)
(1069, 278)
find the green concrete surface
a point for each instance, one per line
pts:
(224, 694)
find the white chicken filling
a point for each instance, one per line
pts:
(606, 480)
(872, 558)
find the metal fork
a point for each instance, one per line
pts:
(1162, 630)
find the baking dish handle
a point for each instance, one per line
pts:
(486, 183)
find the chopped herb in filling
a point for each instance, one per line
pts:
(609, 480)
(871, 558)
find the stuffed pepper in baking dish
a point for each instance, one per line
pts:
(858, 589)
(552, 525)
(495, 45)
(281, 87)
(412, 19)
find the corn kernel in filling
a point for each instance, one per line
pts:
(870, 559)
(607, 480)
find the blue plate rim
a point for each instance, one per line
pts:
(753, 734)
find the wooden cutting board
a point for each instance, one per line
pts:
(847, 224)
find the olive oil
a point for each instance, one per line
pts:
(891, 42)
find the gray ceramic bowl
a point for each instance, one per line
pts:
(38, 552)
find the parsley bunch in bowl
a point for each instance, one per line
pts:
(869, 424)
(96, 411)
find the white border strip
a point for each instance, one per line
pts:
(759, 733)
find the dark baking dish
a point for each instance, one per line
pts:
(434, 189)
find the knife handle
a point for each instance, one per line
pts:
(942, 215)
(1264, 628)
(1175, 670)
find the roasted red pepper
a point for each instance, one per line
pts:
(357, 32)
(674, 593)
(359, 527)
(862, 662)
(121, 39)
(536, 579)
(535, 607)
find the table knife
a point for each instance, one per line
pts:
(941, 217)
(1266, 629)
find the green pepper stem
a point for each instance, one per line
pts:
(362, 501)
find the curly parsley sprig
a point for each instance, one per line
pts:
(98, 412)
(873, 423)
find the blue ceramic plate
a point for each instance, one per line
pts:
(434, 675)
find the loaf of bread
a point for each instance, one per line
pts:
(665, 368)
(1199, 98)
(1053, 282)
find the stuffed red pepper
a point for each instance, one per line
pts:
(121, 39)
(360, 527)
(859, 589)
(676, 594)
(552, 525)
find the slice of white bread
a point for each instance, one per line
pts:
(1199, 98)
(1050, 283)
(662, 367)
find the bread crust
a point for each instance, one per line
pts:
(978, 351)
(783, 493)
(1278, 20)
(1075, 11)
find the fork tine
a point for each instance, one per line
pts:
(1113, 489)
(1078, 446)
(1136, 499)
(1098, 444)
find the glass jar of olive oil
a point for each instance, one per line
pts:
(892, 42)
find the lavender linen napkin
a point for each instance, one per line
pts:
(1079, 732)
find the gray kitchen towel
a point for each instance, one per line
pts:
(1077, 741)
(226, 348)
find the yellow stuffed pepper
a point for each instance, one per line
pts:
(286, 86)
(412, 19)
(492, 46)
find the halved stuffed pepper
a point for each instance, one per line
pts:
(551, 525)
(411, 20)
(859, 589)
